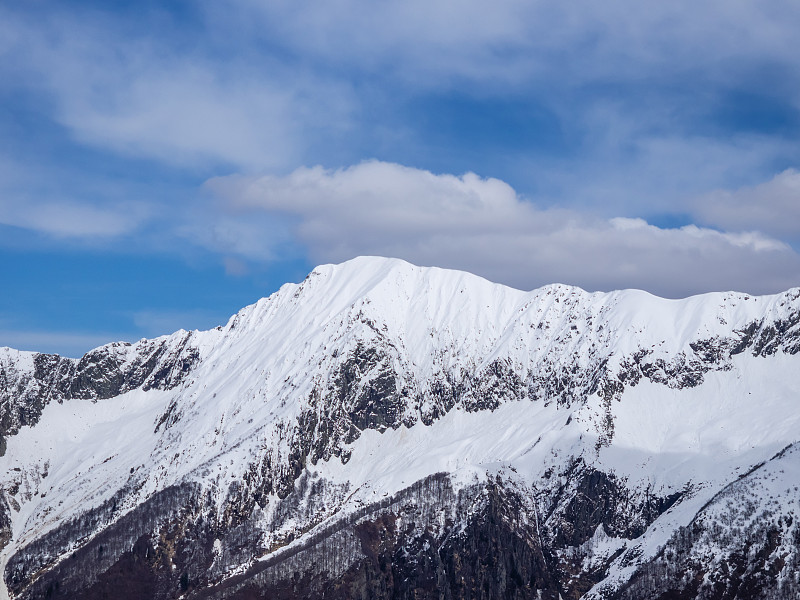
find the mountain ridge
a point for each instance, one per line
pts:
(314, 403)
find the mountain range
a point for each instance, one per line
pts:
(382, 430)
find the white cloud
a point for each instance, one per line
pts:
(634, 172)
(70, 219)
(264, 82)
(264, 87)
(483, 226)
(436, 42)
(267, 80)
(36, 199)
(772, 207)
(147, 97)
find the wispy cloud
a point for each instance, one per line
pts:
(31, 197)
(772, 207)
(267, 86)
(149, 95)
(70, 219)
(441, 42)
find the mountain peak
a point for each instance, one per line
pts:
(378, 400)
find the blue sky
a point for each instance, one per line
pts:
(163, 164)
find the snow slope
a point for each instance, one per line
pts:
(415, 371)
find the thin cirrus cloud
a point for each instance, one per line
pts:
(258, 86)
(71, 219)
(484, 226)
(264, 87)
(514, 40)
(186, 120)
(31, 199)
(147, 96)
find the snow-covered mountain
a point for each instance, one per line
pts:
(383, 430)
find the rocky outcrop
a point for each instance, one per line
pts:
(29, 381)
(70, 563)
(744, 544)
(488, 540)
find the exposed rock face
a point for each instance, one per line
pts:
(108, 371)
(123, 551)
(742, 544)
(484, 541)
(385, 431)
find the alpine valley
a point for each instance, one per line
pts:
(383, 430)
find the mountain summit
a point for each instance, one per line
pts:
(383, 430)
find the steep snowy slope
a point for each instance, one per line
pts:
(363, 433)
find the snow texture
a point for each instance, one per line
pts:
(378, 373)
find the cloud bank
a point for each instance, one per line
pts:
(772, 207)
(482, 225)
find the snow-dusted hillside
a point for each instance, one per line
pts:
(380, 413)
